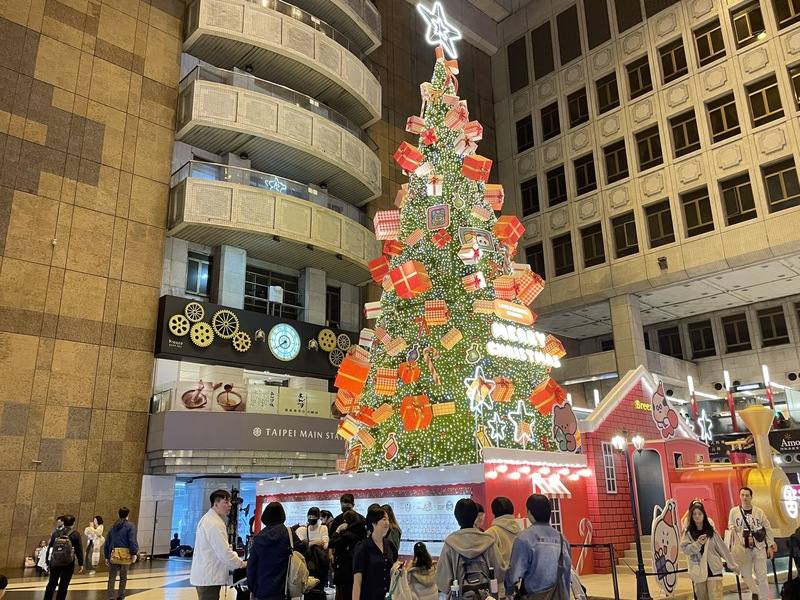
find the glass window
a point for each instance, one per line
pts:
(606, 344)
(609, 468)
(569, 39)
(673, 61)
(198, 274)
(697, 212)
(534, 255)
(542, 41)
(524, 134)
(685, 138)
(783, 189)
(555, 514)
(765, 101)
(257, 283)
(578, 107)
(517, 56)
(723, 117)
(592, 242)
(709, 42)
(625, 242)
(648, 143)
(556, 186)
(596, 18)
(748, 23)
(628, 15)
(701, 338)
(585, 176)
(786, 12)
(529, 190)
(333, 306)
(669, 342)
(639, 79)
(737, 199)
(616, 161)
(659, 224)
(607, 93)
(550, 123)
(773, 326)
(737, 335)
(562, 254)
(794, 75)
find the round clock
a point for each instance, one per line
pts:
(284, 342)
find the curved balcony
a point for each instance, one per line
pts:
(285, 44)
(222, 111)
(359, 20)
(272, 218)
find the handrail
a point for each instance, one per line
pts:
(241, 79)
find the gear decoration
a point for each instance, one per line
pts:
(179, 325)
(335, 357)
(241, 341)
(343, 341)
(194, 311)
(326, 339)
(201, 334)
(225, 323)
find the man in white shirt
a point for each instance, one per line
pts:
(213, 558)
(753, 543)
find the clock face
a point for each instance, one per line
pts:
(284, 341)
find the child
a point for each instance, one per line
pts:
(422, 574)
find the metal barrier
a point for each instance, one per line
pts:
(613, 557)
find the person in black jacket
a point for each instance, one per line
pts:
(61, 575)
(121, 535)
(269, 557)
(343, 542)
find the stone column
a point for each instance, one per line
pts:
(351, 307)
(313, 282)
(230, 264)
(626, 322)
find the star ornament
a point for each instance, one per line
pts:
(479, 391)
(523, 421)
(440, 31)
(276, 185)
(497, 428)
(705, 425)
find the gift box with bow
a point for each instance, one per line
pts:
(363, 416)
(443, 409)
(450, 99)
(386, 284)
(463, 145)
(385, 381)
(504, 287)
(386, 224)
(508, 229)
(410, 279)
(378, 268)
(415, 124)
(348, 428)
(408, 371)
(441, 238)
(352, 374)
(451, 338)
(429, 137)
(424, 169)
(474, 131)
(392, 248)
(457, 116)
(527, 285)
(366, 337)
(470, 254)
(436, 312)
(382, 335)
(554, 347)
(476, 167)
(416, 412)
(481, 212)
(546, 395)
(494, 194)
(396, 346)
(503, 389)
(474, 281)
(401, 196)
(372, 310)
(366, 438)
(434, 185)
(408, 157)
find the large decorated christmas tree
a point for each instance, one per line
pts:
(452, 364)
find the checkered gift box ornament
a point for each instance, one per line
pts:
(481, 212)
(474, 131)
(382, 413)
(457, 116)
(366, 337)
(441, 238)
(483, 307)
(387, 224)
(415, 124)
(503, 390)
(414, 237)
(554, 347)
(385, 381)
(443, 409)
(436, 312)
(386, 284)
(494, 194)
(504, 287)
(546, 395)
(382, 335)
(474, 281)
(527, 285)
(451, 338)
(396, 346)
(345, 401)
(366, 438)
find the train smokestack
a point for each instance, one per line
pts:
(758, 420)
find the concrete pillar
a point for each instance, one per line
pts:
(173, 276)
(313, 282)
(230, 264)
(351, 307)
(626, 322)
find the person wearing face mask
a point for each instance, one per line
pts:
(373, 559)
(314, 538)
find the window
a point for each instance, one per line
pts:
(737, 336)
(542, 41)
(669, 342)
(773, 326)
(529, 190)
(524, 134)
(607, 93)
(786, 12)
(628, 15)
(198, 274)
(556, 186)
(701, 338)
(659, 224)
(606, 344)
(709, 42)
(723, 117)
(673, 61)
(534, 255)
(578, 107)
(639, 80)
(616, 161)
(517, 55)
(783, 190)
(596, 18)
(748, 23)
(550, 124)
(569, 39)
(333, 306)
(257, 284)
(624, 227)
(648, 145)
(555, 514)
(765, 101)
(794, 75)
(685, 138)
(562, 254)
(697, 212)
(592, 241)
(609, 468)
(737, 199)
(585, 176)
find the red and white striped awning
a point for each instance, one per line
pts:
(552, 486)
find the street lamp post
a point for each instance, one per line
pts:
(621, 444)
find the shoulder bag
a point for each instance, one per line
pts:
(759, 536)
(556, 592)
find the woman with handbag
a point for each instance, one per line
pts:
(373, 559)
(314, 538)
(706, 550)
(268, 564)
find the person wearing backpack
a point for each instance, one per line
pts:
(540, 556)
(120, 551)
(65, 548)
(504, 531)
(268, 563)
(468, 555)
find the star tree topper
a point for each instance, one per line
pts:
(440, 31)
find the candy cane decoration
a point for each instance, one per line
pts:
(586, 529)
(429, 354)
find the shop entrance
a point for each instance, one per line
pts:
(649, 485)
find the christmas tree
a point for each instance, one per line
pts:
(452, 364)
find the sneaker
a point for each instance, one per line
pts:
(92, 572)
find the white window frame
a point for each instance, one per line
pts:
(555, 514)
(609, 468)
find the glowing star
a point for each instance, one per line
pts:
(705, 425)
(479, 391)
(497, 428)
(276, 185)
(440, 31)
(523, 423)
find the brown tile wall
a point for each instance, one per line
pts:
(87, 97)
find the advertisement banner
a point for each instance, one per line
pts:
(785, 441)
(263, 398)
(310, 403)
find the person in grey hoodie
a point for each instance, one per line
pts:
(464, 546)
(503, 530)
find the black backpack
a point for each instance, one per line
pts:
(475, 580)
(63, 554)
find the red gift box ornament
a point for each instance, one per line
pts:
(546, 395)
(408, 371)
(473, 131)
(416, 412)
(386, 224)
(415, 124)
(441, 238)
(410, 279)
(508, 229)
(429, 137)
(457, 117)
(378, 268)
(363, 416)
(527, 286)
(474, 282)
(476, 167)
(352, 374)
(504, 287)
(436, 312)
(493, 193)
(408, 157)
(392, 248)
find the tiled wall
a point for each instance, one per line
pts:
(87, 96)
